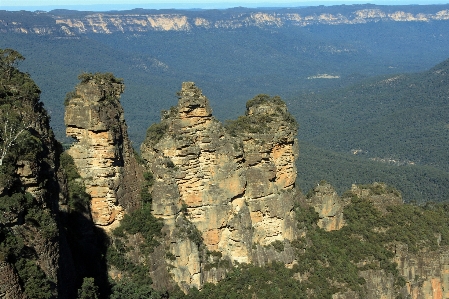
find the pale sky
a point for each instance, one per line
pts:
(148, 4)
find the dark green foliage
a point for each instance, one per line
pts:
(187, 229)
(78, 199)
(155, 133)
(143, 222)
(264, 99)
(278, 245)
(88, 289)
(261, 122)
(332, 257)
(137, 281)
(99, 78)
(248, 281)
(35, 282)
(19, 109)
(25, 140)
(14, 204)
(306, 217)
(246, 124)
(415, 182)
(145, 194)
(44, 220)
(131, 289)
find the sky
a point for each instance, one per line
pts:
(33, 5)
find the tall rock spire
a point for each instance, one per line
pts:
(102, 152)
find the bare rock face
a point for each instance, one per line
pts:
(102, 152)
(235, 190)
(10, 286)
(329, 207)
(426, 272)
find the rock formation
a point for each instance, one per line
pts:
(102, 152)
(425, 271)
(328, 205)
(235, 191)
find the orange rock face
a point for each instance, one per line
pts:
(102, 151)
(236, 190)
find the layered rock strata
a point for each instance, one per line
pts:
(102, 152)
(234, 192)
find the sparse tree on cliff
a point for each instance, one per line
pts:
(88, 290)
(12, 127)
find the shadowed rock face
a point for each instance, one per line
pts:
(10, 287)
(236, 190)
(102, 152)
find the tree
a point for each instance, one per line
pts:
(12, 127)
(88, 289)
(9, 59)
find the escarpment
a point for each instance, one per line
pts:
(234, 188)
(412, 237)
(102, 152)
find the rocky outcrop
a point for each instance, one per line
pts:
(425, 272)
(231, 192)
(102, 152)
(328, 205)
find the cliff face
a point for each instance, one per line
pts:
(176, 20)
(424, 270)
(235, 191)
(30, 237)
(102, 152)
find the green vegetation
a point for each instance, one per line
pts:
(135, 280)
(129, 288)
(88, 289)
(78, 199)
(416, 183)
(341, 121)
(155, 133)
(264, 99)
(145, 194)
(248, 281)
(23, 218)
(278, 245)
(36, 283)
(143, 222)
(99, 78)
(259, 122)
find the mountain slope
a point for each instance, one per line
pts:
(401, 118)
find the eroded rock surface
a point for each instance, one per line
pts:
(10, 286)
(236, 188)
(329, 207)
(102, 151)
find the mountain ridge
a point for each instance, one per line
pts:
(72, 23)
